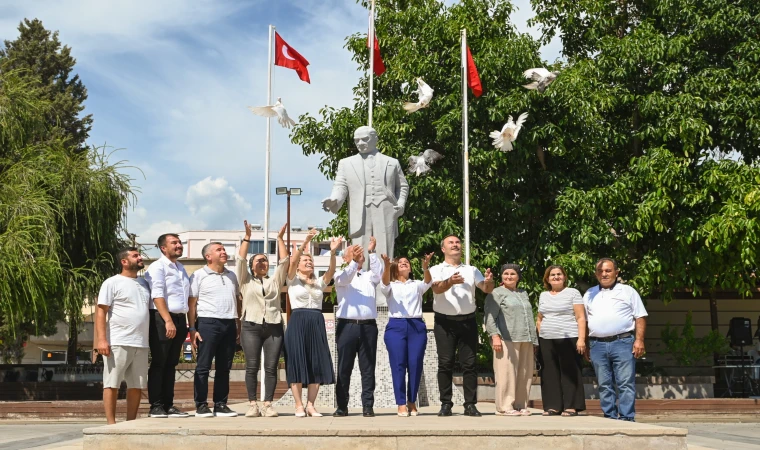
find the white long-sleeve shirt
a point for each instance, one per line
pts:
(356, 290)
(169, 280)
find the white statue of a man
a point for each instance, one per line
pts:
(376, 189)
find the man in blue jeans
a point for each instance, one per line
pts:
(214, 328)
(616, 326)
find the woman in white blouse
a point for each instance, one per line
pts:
(406, 334)
(307, 355)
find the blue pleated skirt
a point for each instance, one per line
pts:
(307, 354)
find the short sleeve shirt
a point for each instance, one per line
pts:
(216, 293)
(612, 311)
(127, 300)
(559, 316)
(306, 295)
(460, 298)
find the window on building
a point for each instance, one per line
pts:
(257, 246)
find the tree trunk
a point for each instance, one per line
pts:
(71, 350)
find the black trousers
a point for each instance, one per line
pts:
(356, 339)
(218, 345)
(254, 337)
(164, 354)
(561, 377)
(454, 335)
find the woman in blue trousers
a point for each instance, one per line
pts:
(406, 334)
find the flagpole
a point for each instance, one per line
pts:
(371, 42)
(270, 68)
(465, 151)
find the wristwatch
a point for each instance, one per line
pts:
(370, 251)
(191, 329)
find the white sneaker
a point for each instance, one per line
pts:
(268, 411)
(253, 411)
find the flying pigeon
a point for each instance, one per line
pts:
(421, 164)
(424, 93)
(541, 77)
(503, 139)
(278, 109)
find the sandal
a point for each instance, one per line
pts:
(569, 413)
(525, 412)
(551, 412)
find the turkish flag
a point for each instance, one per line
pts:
(378, 64)
(287, 56)
(473, 79)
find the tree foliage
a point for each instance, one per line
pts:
(623, 156)
(61, 208)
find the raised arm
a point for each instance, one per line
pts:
(299, 251)
(375, 266)
(487, 284)
(334, 244)
(387, 270)
(426, 269)
(243, 250)
(282, 249)
(344, 277)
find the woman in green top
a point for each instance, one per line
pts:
(510, 323)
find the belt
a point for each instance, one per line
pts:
(456, 318)
(170, 313)
(612, 338)
(359, 322)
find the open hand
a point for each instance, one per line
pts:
(386, 260)
(372, 244)
(335, 243)
(310, 235)
(489, 276)
(282, 231)
(426, 261)
(247, 229)
(357, 251)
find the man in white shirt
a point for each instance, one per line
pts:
(123, 338)
(214, 328)
(170, 288)
(616, 327)
(455, 325)
(356, 331)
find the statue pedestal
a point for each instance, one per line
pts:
(428, 395)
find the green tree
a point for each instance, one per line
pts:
(61, 213)
(656, 95)
(48, 65)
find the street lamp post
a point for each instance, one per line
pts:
(288, 192)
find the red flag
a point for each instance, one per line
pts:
(287, 56)
(473, 79)
(379, 65)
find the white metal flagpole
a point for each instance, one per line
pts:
(270, 68)
(371, 42)
(465, 152)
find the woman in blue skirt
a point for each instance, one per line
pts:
(406, 334)
(307, 355)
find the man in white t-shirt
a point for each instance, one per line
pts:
(616, 327)
(213, 310)
(122, 329)
(455, 326)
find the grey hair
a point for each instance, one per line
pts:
(604, 260)
(205, 249)
(515, 267)
(448, 236)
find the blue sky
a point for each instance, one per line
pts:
(169, 82)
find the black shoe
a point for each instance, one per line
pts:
(367, 411)
(157, 411)
(222, 410)
(340, 412)
(203, 411)
(445, 411)
(173, 412)
(472, 411)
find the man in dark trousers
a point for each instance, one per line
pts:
(356, 332)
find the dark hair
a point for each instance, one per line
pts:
(603, 260)
(162, 239)
(547, 285)
(250, 261)
(205, 248)
(448, 236)
(515, 267)
(394, 268)
(123, 254)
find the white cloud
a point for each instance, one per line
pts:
(216, 203)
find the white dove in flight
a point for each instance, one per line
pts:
(421, 164)
(278, 109)
(424, 95)
(503, 139)
(541, 77)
